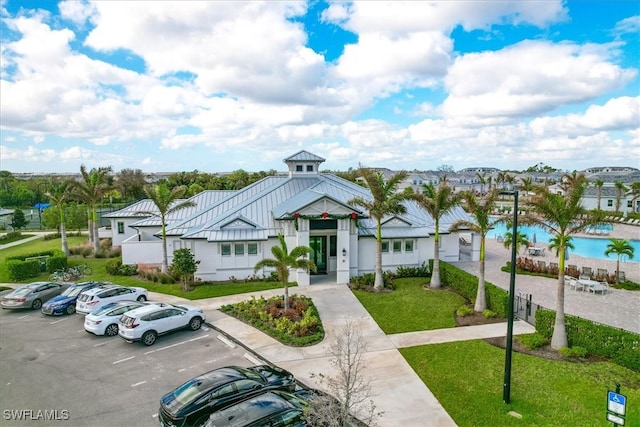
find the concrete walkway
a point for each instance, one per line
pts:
(399, 393)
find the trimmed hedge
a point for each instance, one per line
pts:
(21, 269)
(467, 285)
(623, 347)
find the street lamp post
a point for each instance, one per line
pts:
(506, 387)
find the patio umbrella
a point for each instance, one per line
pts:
(533, 239)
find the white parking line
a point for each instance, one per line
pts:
(100, 344)
(182, 370)
(58, 321)
(204, 328)
(26, 315)
(226, 341)
(154, 415)
(176, 344)
(253, 360)
(137, 384)
(123, 360)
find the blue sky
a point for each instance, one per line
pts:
(218, 86)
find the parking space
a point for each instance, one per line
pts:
(54, 373)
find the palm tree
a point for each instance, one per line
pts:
(598, 183)
(620, 190)
(283, 261)
(635, 193)
(94, 185)
(386, 201)
(562, 215)
(167, 201)
(482, 179)
(437, 201)
(59, 195)
(619, 247)
(527, 185)
(520, 241)
(481, 210)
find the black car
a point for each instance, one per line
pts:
(193, 402)
(273, 408)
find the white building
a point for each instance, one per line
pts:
(229, 231)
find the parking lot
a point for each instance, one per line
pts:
(54, 373)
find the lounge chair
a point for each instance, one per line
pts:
(586, 271)
(620, 275)
(602, 274)
(542, 265)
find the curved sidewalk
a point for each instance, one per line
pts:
(399, 393)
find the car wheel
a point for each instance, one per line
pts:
(149, 337)
(36, 304)
(142, 298)
(70, 309)
(111, 330)
(195, 323)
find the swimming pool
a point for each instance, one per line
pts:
(586, 247)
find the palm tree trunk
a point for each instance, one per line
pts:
(165, 263)
(378, 283)
(559, 337)
(96, 238)
(481, 299)
(63, 238)
(435, 273)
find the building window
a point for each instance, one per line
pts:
(408, 246)
(629, 204)
(385, 246)
(397, 246)
(239, 249)
(309, 168)
(225, 248)
(298, 168)
(252, 248)
(610, 203)
(120, 227)
(333, 245)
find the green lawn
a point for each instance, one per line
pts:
(410, 308)
(467, 377)
(100, 273)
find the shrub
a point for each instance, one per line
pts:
(464, 311)
(367, 280)
(533, 341)
(23, 270)
(573, 351)
(489, 314)
(421, 271)
(52, 236)
(621, 346)
(116, 268)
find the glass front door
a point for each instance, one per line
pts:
(318, 255)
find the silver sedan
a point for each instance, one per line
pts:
(32, 295)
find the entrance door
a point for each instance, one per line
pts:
(318, 255)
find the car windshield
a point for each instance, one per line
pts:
(73, 291)
(127, 320)
(22, 291)
(103, 309)
(186, 394)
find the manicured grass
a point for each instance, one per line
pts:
(100, 273)
(466, 377)
(410, 308)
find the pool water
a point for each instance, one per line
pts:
(585, 247)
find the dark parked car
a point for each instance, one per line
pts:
(273, 408)
(191, 403)
(65, 303)
(32, 295)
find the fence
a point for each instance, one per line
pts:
(525, 309)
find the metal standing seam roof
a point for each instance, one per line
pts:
(304, 156)
(262, 202)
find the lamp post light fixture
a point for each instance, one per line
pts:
(506, 387)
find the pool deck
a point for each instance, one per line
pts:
(619, 308)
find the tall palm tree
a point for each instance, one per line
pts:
(283, 261)
(562, 215)
(59, 195)
(620, 190)
(482, 179)
(166, 201)
(520, 241)
(620, 247)
(527, 185)
(598, 183)
(90, 190)
(437, 201)
(386, 201)
(481, 208)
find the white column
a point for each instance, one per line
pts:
(344, 251)
(301, 238)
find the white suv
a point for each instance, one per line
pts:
(146, 323)
(95, 298)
